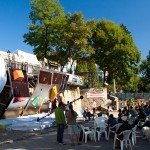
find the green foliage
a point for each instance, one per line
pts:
(75, 38)
(145, 73)
(147, 88)
(47, 20)
(115, 51)
(69, 38)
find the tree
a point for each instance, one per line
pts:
(48, 20)
(145, 72)
(115, 51)
(74, 39)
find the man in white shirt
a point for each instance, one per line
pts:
(100, 120)
(94, 108)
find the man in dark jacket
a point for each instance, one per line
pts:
(112, 121)
(125, 126)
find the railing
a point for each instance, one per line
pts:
(31, 69)
(127, 96)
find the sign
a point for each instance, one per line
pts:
(74, 79)
(95, 94)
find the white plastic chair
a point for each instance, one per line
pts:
(116, 126)
(86, 132)
(126, 135)
(100, 128)
(141, 122)
(119, 124)
(134, 135)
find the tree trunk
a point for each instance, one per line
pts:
(114, 85)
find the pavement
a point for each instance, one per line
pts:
(47, 141)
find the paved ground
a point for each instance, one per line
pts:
(47, 141)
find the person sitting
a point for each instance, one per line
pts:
(119, 116)
(125, 111)
(100, 119)
(125, 126)
(132, 111)
(148, 111)
(112, 121)
(141, 115)
(87, 114)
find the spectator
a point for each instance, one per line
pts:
(100, 119)
(132, 111)
(87, 114)
(60, 122)
(125, 126)
(141, 115)
(67, 106)
(119, 116)
(148, 111)
(73, 129)
(107, 111)
(125, 111)
(112, 121)
(94, 108)
(50, 107)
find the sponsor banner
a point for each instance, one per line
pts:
(74, 79)
(95, 95)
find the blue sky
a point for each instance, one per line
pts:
(134, 14)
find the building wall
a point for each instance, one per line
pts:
(72, 93)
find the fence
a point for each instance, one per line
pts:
(127, 96)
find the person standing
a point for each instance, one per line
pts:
(94, 108)
(67, 106)
(60, 122)
(73, 129)
(50, 107)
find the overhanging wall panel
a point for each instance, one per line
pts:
(45, 77)
(19, 88)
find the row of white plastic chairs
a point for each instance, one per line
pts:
(98, 129)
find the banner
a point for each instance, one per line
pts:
(97, 94)
(74, 79)
(35, 100)
(53, 93)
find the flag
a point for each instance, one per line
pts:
(35, 100)
(42, 101)
(53, 93)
